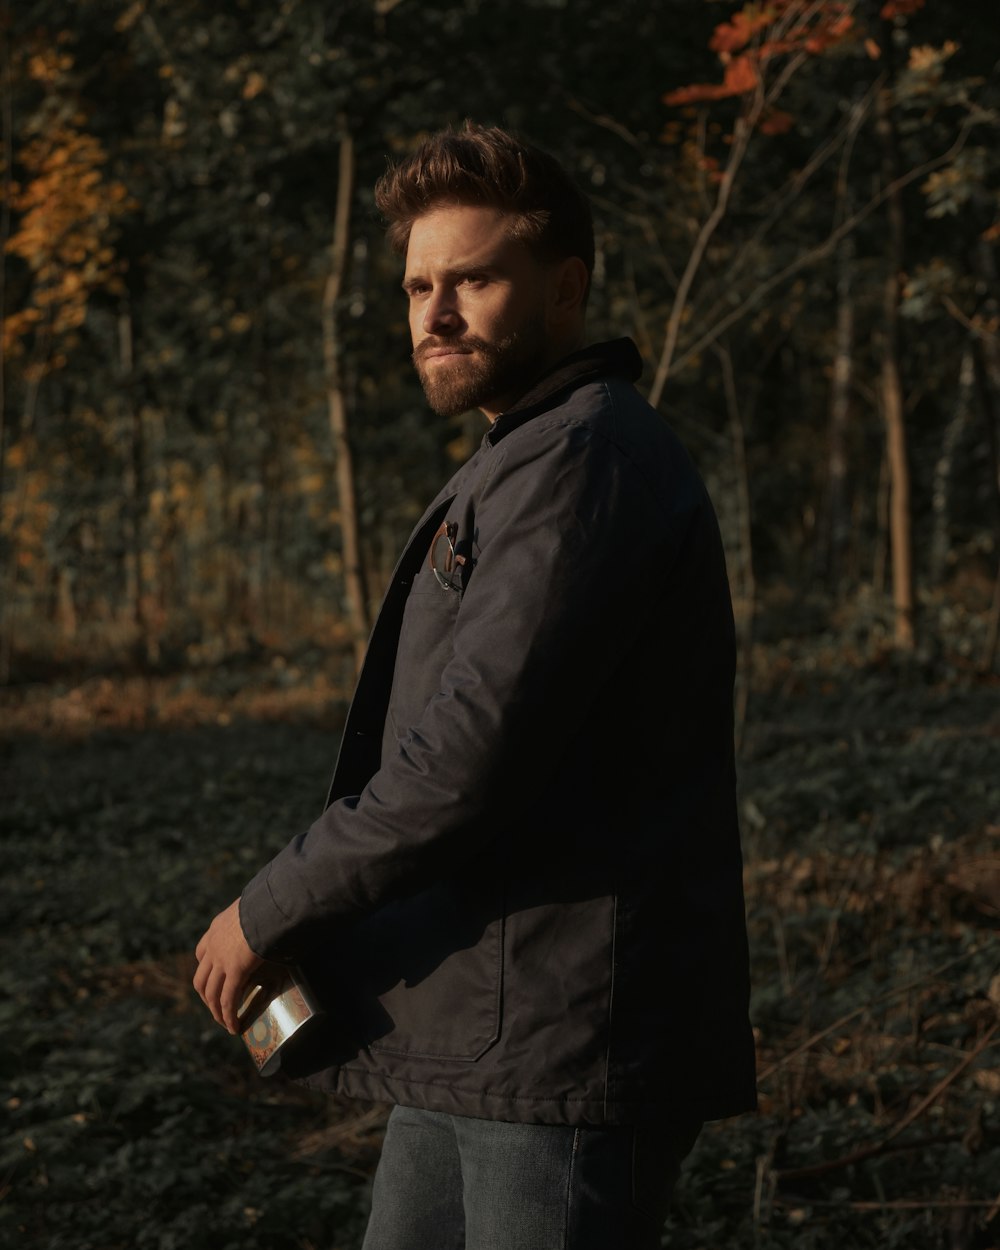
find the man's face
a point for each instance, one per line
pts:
(477, 310)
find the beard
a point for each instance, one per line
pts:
(484, 372)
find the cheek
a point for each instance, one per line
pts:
(415, 319)
(501, 318)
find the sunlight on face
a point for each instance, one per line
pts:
(477, 310)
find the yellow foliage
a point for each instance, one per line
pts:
(67, 211)
(48, 66)
(131, 15)
(925, 57)
(254, 85)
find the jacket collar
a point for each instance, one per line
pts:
(617, 358)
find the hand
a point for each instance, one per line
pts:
(225, 961)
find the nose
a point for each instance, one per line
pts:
(441, 317)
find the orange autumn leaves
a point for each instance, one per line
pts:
(65, 210)
(759, 33)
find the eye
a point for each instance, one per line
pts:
(474, 279)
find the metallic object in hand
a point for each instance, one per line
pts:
(277, 1004)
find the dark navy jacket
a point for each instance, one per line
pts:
(524, 900)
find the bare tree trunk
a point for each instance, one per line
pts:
(66, 603)
(35, 373)
(354, 582)
(987, 376)
(944, 469)
(838, 504)
(891, 388)
(880, 557)
(741, 139)
(159, 575)
(748, 584)
(6, 146)
(132, 457)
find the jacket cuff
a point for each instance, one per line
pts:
(264, 924)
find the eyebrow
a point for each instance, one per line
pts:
(462, 271)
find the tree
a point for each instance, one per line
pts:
(766, 53)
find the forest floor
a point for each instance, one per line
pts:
(134, 809)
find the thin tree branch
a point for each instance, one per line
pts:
(7, 156)
(824, 249)
(811, 1041)
(743, 131)
(741, 140)
(891, 1204)
(963, 319)
(344, 466)
(605, 122)
(748, 584)
(877, 1148)
(844, 138)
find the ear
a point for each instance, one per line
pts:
(568, 288)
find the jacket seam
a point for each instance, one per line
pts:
(570, 1171)
(274, 902)
(478, 1091)
(549, 421)
(608, 1080)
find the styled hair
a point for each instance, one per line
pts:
(485, 165)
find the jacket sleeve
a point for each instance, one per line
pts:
(573, 552)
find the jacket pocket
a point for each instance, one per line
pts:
(425, 647)
(435, 966)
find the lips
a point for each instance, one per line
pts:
(444, 353)
(433, 348)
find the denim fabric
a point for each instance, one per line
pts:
(455, 1183)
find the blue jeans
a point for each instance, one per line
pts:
(449, 1182)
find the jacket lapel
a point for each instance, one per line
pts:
(361, 745)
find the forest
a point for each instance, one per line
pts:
(213, 446)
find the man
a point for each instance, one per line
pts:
(523, 905)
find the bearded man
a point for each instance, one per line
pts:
(522, 907)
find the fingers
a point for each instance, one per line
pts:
(208, 977)
(228, 1003)
(199, 978)
(208, 982)
(225, 960)
(213, 993)
(220, 992)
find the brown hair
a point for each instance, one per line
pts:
(487, 165)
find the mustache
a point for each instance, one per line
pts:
(467, 343)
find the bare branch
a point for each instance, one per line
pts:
(877, 1148)
(978, 330)
(762, 99)
(839, 1023)
(822, 250)
(337, 407)
(602, 120)
(741, 141)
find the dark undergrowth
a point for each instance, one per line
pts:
(871, 812)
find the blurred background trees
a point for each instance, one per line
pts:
(212, 439)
